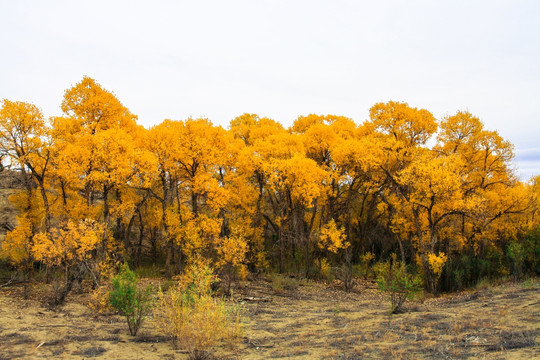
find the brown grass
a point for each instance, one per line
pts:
(311, 321)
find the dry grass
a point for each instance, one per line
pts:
(311, 321)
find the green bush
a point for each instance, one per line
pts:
(516, 254)
(459, 278)
(531, 244)
(131, 301)
(392, 277)
(467, 269)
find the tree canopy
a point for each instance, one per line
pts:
(258, 195)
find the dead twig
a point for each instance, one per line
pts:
(13, 282)
(251, 298)
(255, 345)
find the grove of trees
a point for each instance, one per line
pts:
(101, 189)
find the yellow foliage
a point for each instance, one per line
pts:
(360, 156)
(368, 257)
(411, 125)
(17, 244)
(436, 263)
(319, 140)
(193, 318)
(193, 234)
(326, 270)
(99, 300)
(299, 175)
(332, 238)
(71, 244)
(77, 209)
(23, 135)
(189, 182)
(95, 109)
(232, 249)
(251, 128)
(123, 208)
(231, 252)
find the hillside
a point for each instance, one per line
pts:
(10, 182)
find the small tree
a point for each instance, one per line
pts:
(131, 301)
(71, 247)
(232, 256)
(392, 277)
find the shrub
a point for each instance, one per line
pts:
(232, 257)
(516, 253)
(280, 283)
(531, 244)
(326, 270)
(364, 268)
(194, 319)
(392, 277)
(131, 301)
(345, 274)
(99, 300)
(459, 278)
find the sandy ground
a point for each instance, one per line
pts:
(310, 321)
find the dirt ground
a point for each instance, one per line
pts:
(308, 321)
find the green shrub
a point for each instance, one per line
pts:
(516, 254)
(531, 243)
(459, 278)
(131, 301)
(392, 277)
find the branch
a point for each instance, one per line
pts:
(13, 282)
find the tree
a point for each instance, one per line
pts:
(71, 247)
(410, 126)
(130, 300)
(492, 195)
(94, 118)
(99, 155)
(24, 137)
(431, 191)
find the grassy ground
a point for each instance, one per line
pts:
(301, 320)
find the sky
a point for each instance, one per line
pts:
(281, 59)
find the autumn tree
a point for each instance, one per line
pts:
(25, 144)
(440, 193)
(24, 137)
(492, 195)
(70, 247)
(96, 143)
(192, 193)
(431, 195)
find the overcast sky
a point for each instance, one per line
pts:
(282, 59)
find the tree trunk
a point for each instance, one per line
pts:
(45, 205)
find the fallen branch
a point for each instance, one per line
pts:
(54, 325)
(255, 345)
(13, 282)
(251, 298)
